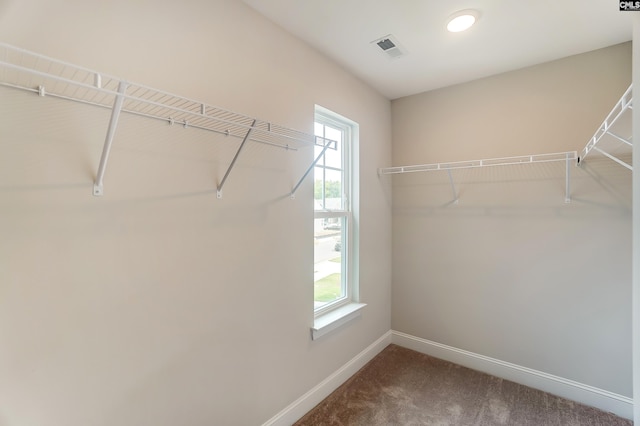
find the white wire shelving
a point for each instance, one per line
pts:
(613, 139)
(45, 76)
(567, 157)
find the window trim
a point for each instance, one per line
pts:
(335, 318)
(334, 314)
(333, 120)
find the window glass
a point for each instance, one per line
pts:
(329, 285)
(332, 214)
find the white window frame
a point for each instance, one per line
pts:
(333, 314)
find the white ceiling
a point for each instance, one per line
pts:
(510, 34)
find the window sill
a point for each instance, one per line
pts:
(334, 319)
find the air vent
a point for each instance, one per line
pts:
(386, 44)
(389, 46)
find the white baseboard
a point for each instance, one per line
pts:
(306, 402)
(604, 400)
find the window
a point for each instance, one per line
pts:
(334, 262)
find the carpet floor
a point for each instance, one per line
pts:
(403, 387)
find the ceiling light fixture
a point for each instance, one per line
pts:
(462, 20)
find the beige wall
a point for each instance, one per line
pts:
(636, 231)
(159, 304)
(511, 271)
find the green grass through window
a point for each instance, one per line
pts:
(328, 288)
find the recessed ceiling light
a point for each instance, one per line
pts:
(462, 20)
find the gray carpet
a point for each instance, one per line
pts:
(404, 387)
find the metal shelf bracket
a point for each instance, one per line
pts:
(113, 124)
(233, 162)
(453, 187)
(327, 143)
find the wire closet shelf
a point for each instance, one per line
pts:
(26, 70)
(613, 139)
(566, 157)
